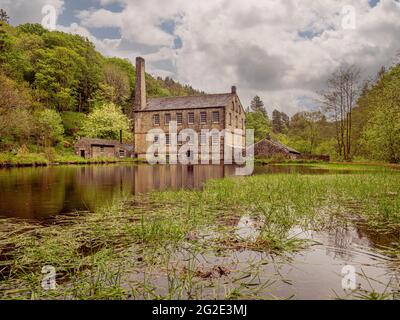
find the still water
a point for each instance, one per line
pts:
(316, 273)
(37, 193)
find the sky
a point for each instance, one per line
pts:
(282, 50)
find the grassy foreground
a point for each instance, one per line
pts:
(95, 254)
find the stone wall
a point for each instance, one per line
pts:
(231, 117)
(144, 122)
(103, 152)
(95, 148)
(235, 117)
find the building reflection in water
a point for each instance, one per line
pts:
(148, 178)
(32, 193)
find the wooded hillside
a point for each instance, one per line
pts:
(51, 81)
(356, 119)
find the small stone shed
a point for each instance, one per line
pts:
(94, 148)
(268, 148)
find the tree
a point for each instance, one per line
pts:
(57, 74)
(257, 105)
(3, 16)
(260, 123)
(381, 135)
(338, 102)
(105, 122)
(48, 127)
(72, 122)
(15, 128)
(307, 126)
(280, 122)
(42, 69)
(117, 80)
(12, 95)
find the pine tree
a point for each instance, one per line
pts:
(280, 122)
(257, 105)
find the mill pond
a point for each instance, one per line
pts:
(143, 232)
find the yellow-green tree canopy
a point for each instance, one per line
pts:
(105, 122)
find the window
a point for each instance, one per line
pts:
(167, 139)
(203, 139)
(242, 123)
(191, 117)
(156, 119)
(121, 153)
(237, 122)
(203, 117)
(215, 138)
(179, 142)
(230, 119)
(102, 149)
(215, 116)
(179, 118)
(167, 118)
(156, 139)
(167, 158)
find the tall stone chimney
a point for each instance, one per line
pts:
(234, 90)
(140, 90)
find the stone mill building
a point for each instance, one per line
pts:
(204, 112)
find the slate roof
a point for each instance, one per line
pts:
(104, 142)
(192, 102)
(276, 146)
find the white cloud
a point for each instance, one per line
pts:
(100, 18)
(281, 50)
(22, 11)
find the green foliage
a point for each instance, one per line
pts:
(257, 119)
(169, 87)
(48, 127)
(105, 122)
(257, 105)
(72, 122)
(15, 128)
(280, 122)
(260, 124)
(382, 132)
(22, 159)
(305, 131)
(327, 147)
(43, 70)
(15, 120)
(119, 82)
(56, 77)
(32, 28)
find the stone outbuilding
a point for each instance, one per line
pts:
(268, 148)
(94, 148)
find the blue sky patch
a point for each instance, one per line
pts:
(71, 8)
